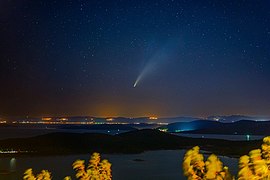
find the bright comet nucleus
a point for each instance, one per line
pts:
(135, 84)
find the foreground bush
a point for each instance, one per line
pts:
(194, 166)
(255, 166)
(43, 175)
(96, 170)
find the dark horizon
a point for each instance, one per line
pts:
(134, 58)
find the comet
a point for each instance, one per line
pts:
(135, 84)
(150, 66)
(157, 59)
(139, 77)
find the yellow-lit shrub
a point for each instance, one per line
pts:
(43, 175)
(193, 164)
(195, 168)
(96, 170)
(256, 165)
(244, 170)
(67, 178)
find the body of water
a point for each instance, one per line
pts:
(156, 165)
(235, 137)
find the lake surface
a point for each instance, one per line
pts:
(235, 137)
(154, 165)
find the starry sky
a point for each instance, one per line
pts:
(79, 57)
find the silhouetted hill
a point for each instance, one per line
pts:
(243, 127)
(130, 142)
(189, 126)
(234, 118)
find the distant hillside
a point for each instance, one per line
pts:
(131, 142)
(234, 118)
(242, 127)
(190, 126)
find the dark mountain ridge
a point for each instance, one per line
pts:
(242, 127)
(131, 142)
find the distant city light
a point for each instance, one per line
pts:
(8, 152)
(46, 119)
(63, 119)
(153, 118)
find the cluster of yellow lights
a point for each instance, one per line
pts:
(109, 119)
(46, 119)
(49, 119)
(63, 119)
(153, 118)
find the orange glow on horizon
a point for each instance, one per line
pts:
(153, 118)
(46, 119)
(63, 119)
(109, 119)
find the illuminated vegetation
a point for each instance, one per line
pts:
(194, 166)
(255, 166)
(96, 170)
(43, 175)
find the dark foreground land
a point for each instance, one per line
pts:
(131, 142)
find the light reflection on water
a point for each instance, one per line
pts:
(158, 165)
(223, 136)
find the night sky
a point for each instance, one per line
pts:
(79, 57)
